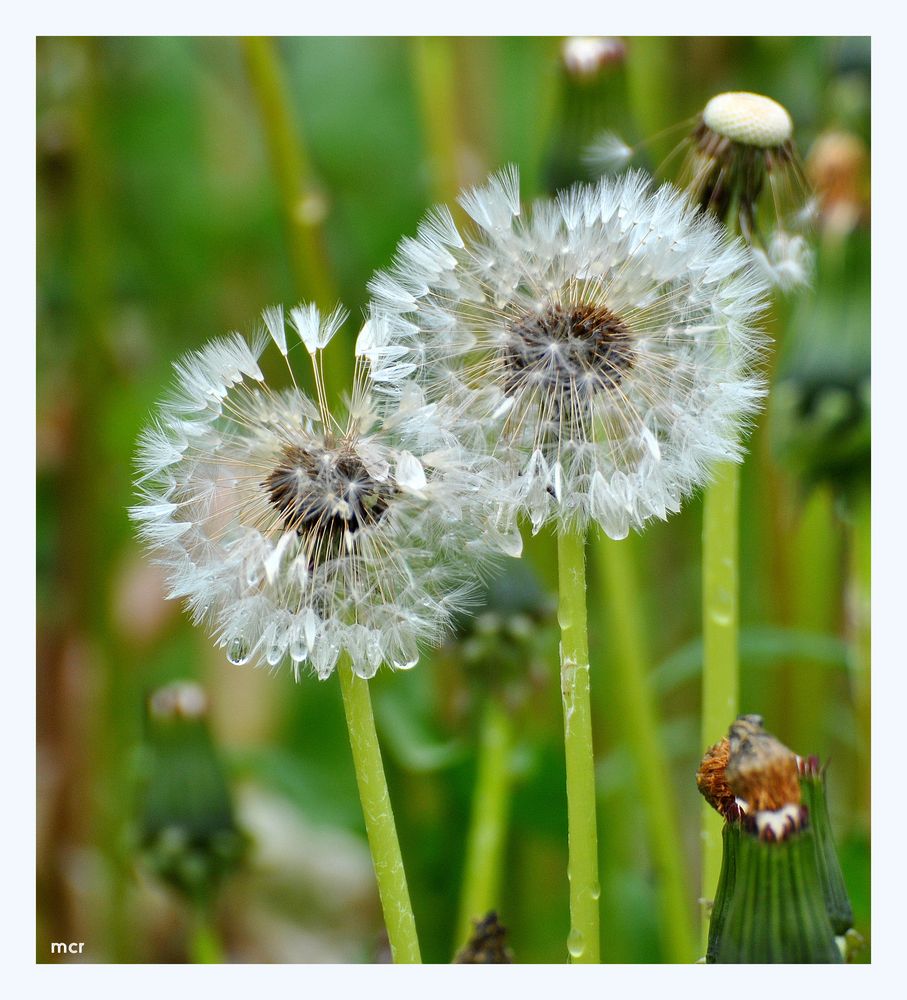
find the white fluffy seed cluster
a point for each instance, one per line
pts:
(601, 346)
(295, 539)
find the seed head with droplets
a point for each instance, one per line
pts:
(295, 537)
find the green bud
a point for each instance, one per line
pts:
(187, 831)
(777, 911)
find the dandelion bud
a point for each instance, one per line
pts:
(188, 834)
(777, 911)
(769, 904)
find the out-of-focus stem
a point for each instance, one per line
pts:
(858, 604)
(488, 822)
(205, 947)
(379, 816)
(303, 202)
(582, 834)
(629, 662)
(815, 550)
(720, 663)
(435, 79)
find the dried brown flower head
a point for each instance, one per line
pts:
(761, 770)
(712, 782)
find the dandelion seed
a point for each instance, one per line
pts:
(295, 537)
(603, 343)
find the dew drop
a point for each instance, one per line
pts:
(596, 891)
(274, 655)
(576, 943)
(238, 651)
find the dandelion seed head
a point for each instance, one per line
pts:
(295, 537)
(601, 345)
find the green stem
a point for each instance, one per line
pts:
(488, 822)
(205, 946)
(582, 838)
(814, 600)
(436, 85)
(629, 662)
(859, 622)
(379, 817)
(303, 202)
(720, 673)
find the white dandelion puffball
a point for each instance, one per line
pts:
(293, 537)
(602, 344)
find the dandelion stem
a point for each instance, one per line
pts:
(582, 835)
(204, 943)
(720, 680)
(435, 78)
(303, 202)
(379, 817)
(488, 822)
(858, 615)
(814, 607)
(630, 661)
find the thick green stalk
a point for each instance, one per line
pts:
(379, 817)
(720, 661)
(582, 834)
(488, 823)
(629, 662)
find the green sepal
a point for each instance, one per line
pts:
(837, 902)
(777, 913)
(724, 893)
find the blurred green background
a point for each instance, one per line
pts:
(183, 185)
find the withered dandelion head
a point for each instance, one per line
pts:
(742, 165)
(764, 773)
(712, 781)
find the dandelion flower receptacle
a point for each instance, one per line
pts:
(742, 166)
(295, 537)
(605, 343)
